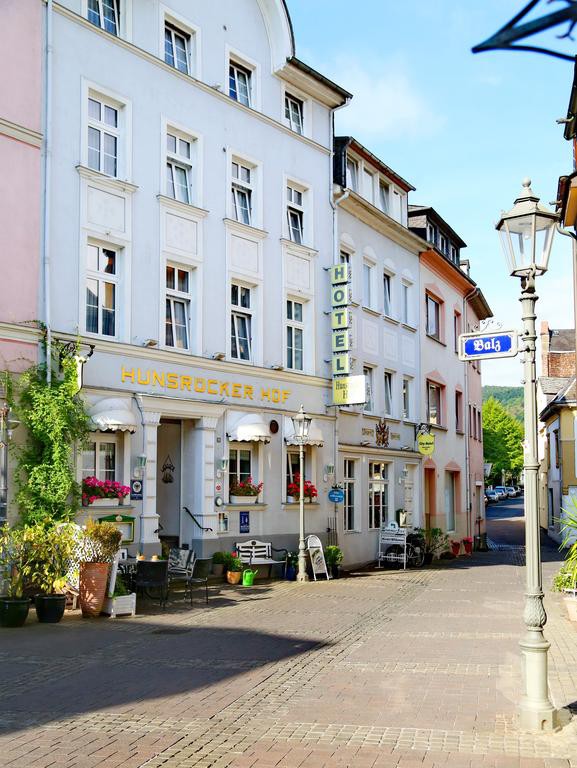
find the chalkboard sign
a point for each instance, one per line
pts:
(317, 556)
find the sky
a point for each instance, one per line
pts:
(465, 129)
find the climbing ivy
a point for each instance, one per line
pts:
(55, 419)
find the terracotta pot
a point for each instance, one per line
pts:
(233, 577)
(93, 580)
(456, 548)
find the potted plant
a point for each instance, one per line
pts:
(122, 602)
(102, 492)
(218, 562)
(99, 545)
(455, 548)
(310, 493)
(245, 491)
(234, 567)
(14, 606)
(48, 561)
(468, 544)
(333, 559)
(566, 580)
(436, 542)
(292, 560)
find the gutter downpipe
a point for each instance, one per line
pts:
(573, 236)
(46, 192)
(334, 203)
(466, 409)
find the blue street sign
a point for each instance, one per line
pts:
(484, 346)
(244, 522)
(336, 495)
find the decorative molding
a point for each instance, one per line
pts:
(109, 182)
(298, 250)
(244, 229)
(20, 133)
(190, 211)
(375, 218)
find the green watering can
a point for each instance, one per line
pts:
(248, 578)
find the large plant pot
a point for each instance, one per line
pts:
(571, 605)
(93, 580)
(218, 569)
(233, 577)
(456, 548)
(50, 608)
(291, 573)
(243, 499)
(428, 558)
(335, 571)
(123, 605)
(14, 611)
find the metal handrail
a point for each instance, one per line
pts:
(202, 528)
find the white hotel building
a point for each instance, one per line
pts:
(190, 232)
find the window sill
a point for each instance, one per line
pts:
(460, 431)
(102, 178)
(371, 311)
(439, 427)
(178, 205)
(296, 504)
(408, 327)
(394, 419)
(248, 505)
(248, 229)
(434, 338)
(305, 250)
(392, 320)
(120, 509)
(352, 533)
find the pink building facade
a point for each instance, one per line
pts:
(20, 180)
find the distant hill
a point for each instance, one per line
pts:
(510, 397)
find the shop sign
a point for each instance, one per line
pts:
(336, 495)
(244, 522)
(317, 556)
(349, 390)
(383, 434)
(426, 444)
(341, 365)
(135, 489)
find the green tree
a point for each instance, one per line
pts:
(502, 439)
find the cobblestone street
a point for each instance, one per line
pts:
(380, 669)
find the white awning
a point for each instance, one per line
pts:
(251, 428)
(112, 414)
(315, 436)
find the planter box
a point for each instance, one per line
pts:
(243, 499)
(120, 606)
(106, 503)
(571, 605)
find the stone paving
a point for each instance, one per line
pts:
(416, 668)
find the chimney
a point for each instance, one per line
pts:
(545, 337)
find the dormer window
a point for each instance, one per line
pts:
(105, 14)
(352, 174)
(432, 234)
(384, 192)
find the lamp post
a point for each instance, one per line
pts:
(526, 233)
(301, 423)
(7, 425)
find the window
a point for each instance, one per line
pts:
(458, 411)
(388, 380)
(240, 84)
(242, 189)
(432, 234)
(352, 174)
(387, 294)
(294, 113)
(406, 398)
(99, 457)
(450, 500)
(378, 494)
(434, 403)
(101, 287)
(294, 343)
(241, 322)
(433, 318)
(444, 245)
(239, 465)
(454, 255)
(179, 152)
(105, 14)
(479, 426)
(292, 466)
(368, 186)
(103, 136)
(384, 192)
(367, 285)
(177, 307)
(405, 303)
(177, 45)
(368, 374)
(349, 489)
(456, 330)
(295, 214)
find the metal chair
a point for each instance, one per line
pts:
(200, 573)
(153, 574)
(180, 562)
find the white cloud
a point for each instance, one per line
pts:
(386, 103)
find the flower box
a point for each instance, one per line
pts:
(120, 606)
(243, 499)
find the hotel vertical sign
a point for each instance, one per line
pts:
(347, 389)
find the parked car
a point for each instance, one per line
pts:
(491, 496)
(511, 492)
(501, 492)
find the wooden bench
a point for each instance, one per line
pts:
(255, 552)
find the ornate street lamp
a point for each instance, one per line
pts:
(301, 423)
(7, 426)
(526, 233)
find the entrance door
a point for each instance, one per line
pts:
(430, 490)
(168, 481)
